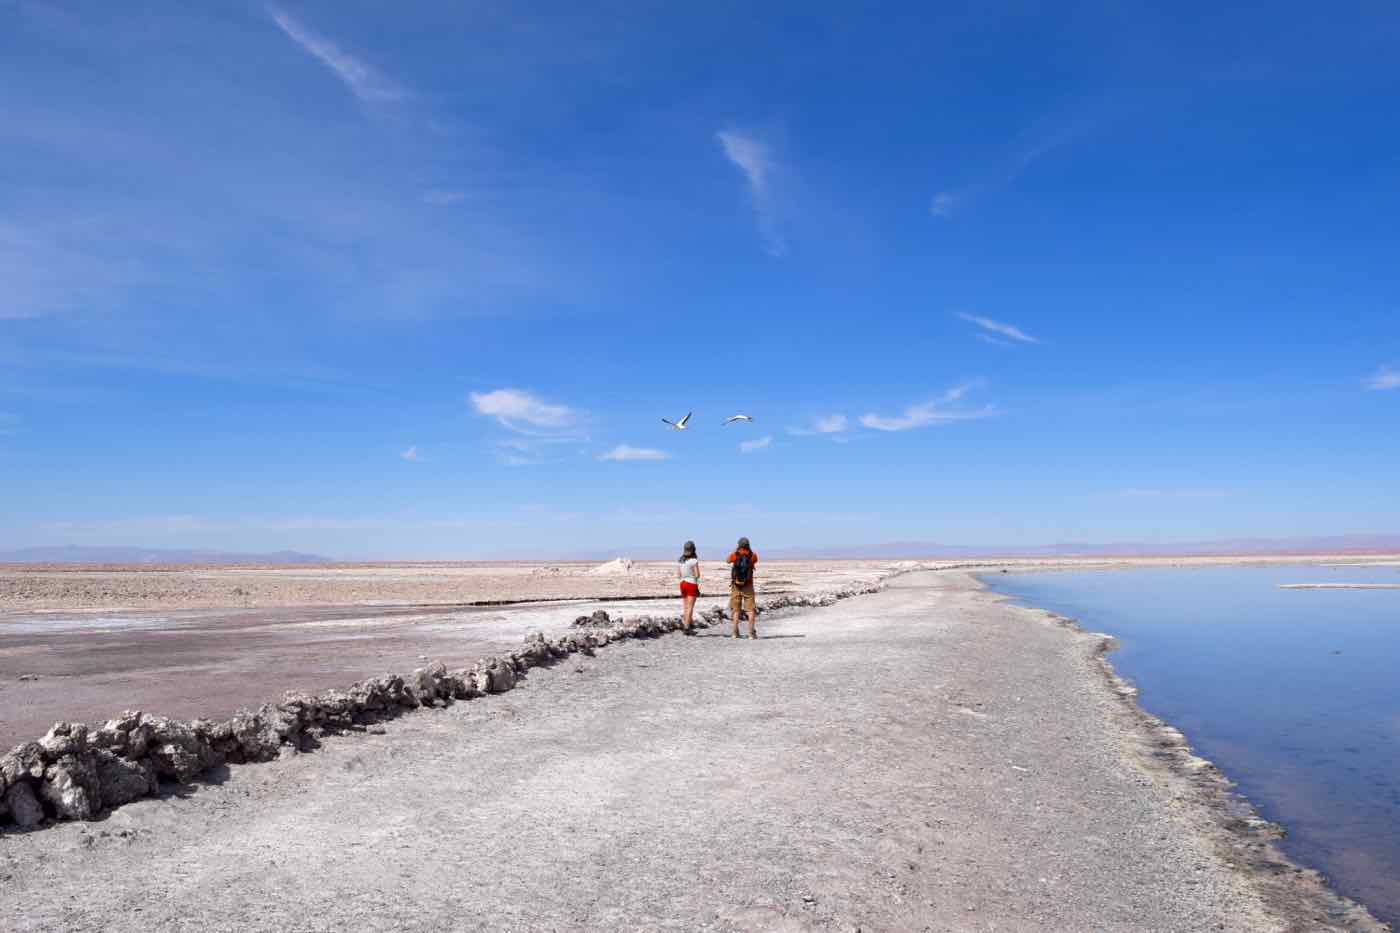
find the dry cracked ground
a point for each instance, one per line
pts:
(926, 758)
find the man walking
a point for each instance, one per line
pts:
(741, 595)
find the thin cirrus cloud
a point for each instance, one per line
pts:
(626, 452)
(523, 413)
(748, 447)
(754, 159)
(1385, 378)
(364, 81)
(828, 424)
(937, 411)
(996, 329)
(1037, 142)
(515, 452)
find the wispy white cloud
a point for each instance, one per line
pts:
(827, 424)
(340, 227)
(1385, 378)
(363, 80)
(998, 327)
(929, 413)
(961, 389)
(754, 158)
(524, 413)
(748, 447)
(514, 452)
(411, 454)
(52, 260)
(627, 452)
(1034, 144)
(534, 449)
(919, 416)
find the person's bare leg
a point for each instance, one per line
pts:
(689, 611)
(753, 616)
(734, 605)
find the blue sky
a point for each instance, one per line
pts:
(421, 280)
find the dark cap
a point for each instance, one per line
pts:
(743, 542)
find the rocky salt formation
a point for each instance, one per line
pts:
(76, 773)
(599, 619)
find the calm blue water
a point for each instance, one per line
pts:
(1295, 694)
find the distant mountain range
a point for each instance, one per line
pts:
(145, 555)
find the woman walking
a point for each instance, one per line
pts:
(689, 573)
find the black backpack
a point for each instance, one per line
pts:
(742, 574)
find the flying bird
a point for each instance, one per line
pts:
(679, 425)
(734, 418)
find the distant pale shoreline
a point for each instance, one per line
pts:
(70, 587)
(1339, 586)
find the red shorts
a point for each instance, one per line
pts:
(689, 589)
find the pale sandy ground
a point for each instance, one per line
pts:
(68, 652)
(928, 758)
(83, 643)
(71, 587)
(26, 588)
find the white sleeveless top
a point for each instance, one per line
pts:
(690, 570)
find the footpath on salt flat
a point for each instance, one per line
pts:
(922, 758)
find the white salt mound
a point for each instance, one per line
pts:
(613, 568)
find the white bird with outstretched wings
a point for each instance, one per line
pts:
(733, 419)
(678, 425)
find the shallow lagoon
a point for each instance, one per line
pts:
(1295, 694)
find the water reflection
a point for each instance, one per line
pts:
(1293, 693)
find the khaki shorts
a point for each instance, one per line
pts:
(742, 595)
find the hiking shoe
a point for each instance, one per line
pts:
(753, 635)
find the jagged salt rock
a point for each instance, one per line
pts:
(421, 687)
(463, 686)
(121, 780)
(70, 784)
(64, 738)
(116, 735)
(23, 761)
(178, 750)
(500, 676)
(24, 807)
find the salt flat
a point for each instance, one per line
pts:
(928, 757)
(74, 587)
(187, 641)
(82, 644)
